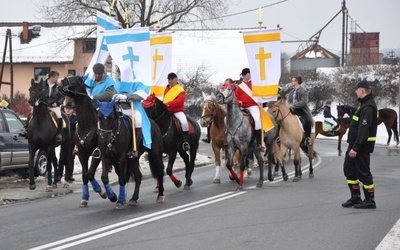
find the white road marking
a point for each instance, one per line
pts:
(392, 239)
(122, 226)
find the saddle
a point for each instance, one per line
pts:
(53, 118)
(250, 118)
(178, 125)
(326, 126)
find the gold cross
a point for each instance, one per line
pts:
(262, 56)
(260, 11)
(156, 58)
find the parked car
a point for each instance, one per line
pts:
(14, 153)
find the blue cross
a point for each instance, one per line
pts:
(133, 58)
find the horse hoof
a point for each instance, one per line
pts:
(285, 177)
(217, 179)
(32, 186)
(83, 203)
(155, 190)
(120, 205)
(103, 194)
(271, 178)
(49, 188)
(178, 184)
(114, 198)
(231, 178)
(311, 176)
(160, 199)
(132, 203)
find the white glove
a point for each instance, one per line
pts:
(91, 97)
(120, 97)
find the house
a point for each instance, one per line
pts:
(38, 48)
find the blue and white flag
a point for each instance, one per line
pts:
(130, 50)
(104, 22)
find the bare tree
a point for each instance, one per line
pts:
(161, 14)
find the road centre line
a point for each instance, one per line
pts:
(108, 230)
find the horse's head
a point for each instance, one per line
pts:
(153, 106)
(73, 86)
(279, 109)
(226, 94)
(35, 93)
(107, 114)
(345, 109)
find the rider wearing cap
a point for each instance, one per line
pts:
(329, 117)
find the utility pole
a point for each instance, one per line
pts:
(8, 42)
(344, 13)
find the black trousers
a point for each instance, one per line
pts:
(358, 168)
(67, 160)
(307, 121)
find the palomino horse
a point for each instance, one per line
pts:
(173, 139)
(291, 136)
(386, 116)
(85, 138)
(41, 131)
(115, 140)
(238, 135)
(339, 132)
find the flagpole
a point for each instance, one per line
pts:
(259, 12)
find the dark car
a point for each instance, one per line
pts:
(14, 153)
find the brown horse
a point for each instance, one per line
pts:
(339, 132)
(214, 114)
(291, 136)
(386, 116)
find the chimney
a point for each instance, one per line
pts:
(25, 31)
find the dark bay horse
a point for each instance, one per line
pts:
(238, 135)
(41, 132)
(339, 132)
(86, 138)
(291, 136)
(170, 130)
(386, 116)
(115, 140)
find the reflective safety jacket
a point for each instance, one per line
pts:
(363, 126)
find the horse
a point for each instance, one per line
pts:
(115, 140)
(291, 136)
(41, 132)
(339, 132)
(173, 139)
(215, 113)
(386, 116)
(238, 135)
(86, 135)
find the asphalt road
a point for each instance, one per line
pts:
(280, 215)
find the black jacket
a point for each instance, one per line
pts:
(54, 97)
(327, 112)
(363, 126)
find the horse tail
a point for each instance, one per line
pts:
(394, 128)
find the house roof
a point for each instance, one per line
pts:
(47, 44)
(314, 51)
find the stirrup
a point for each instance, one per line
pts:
(96, 153)
(186, 146)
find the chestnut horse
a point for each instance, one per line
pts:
(339, 132)
(386, 116)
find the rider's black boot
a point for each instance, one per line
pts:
(185, 144)
(59, 129)
(207, 139)
(257, 135)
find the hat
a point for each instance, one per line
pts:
(245, 71)
(98, 68)
(172, 75)
(363, 84)
(69, 105)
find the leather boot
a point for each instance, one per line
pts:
(207, 139)
(59, 130)
(355, 196)
(185, 144)
(257, 135)
(369, 201)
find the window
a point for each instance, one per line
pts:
(89, 46)
(71, 72)
(14, 124)
(41, 73)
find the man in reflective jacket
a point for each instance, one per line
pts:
(361, 138)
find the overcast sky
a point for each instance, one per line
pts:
(300, 19)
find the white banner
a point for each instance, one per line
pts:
(101, 54)
(263, 48)
(130, 50)
(161, 54)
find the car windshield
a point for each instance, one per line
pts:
(14, 124)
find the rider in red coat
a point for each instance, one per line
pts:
(178, 104)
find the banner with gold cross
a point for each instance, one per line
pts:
(161, 58)
(263, 49)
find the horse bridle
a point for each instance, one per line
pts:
(277, 114)
(212, 115)
(111, 132)
(67, 90)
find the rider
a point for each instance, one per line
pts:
(174, 99)
(54, 98)
(101, 90)
(298, 100)
(244, 97)
(329, 117)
